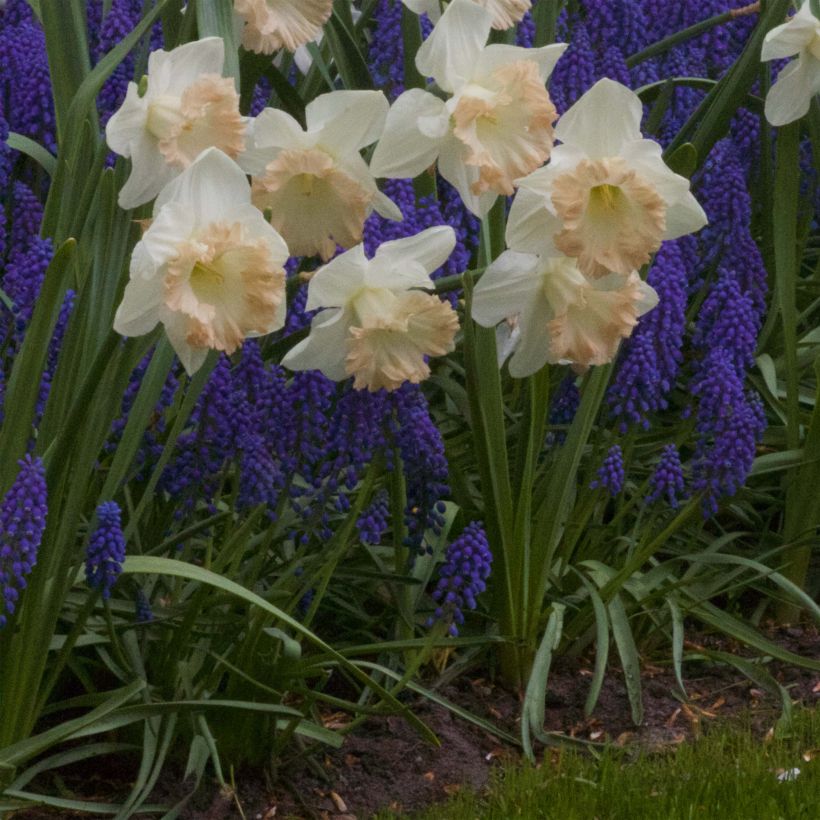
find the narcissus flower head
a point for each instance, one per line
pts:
(186, 107)
(377, 324)
(314, 182)
(560, 316)
(606, 198)
(497, 123)
(790, 97)
(209, 267)
(270, 25)
(506, 13)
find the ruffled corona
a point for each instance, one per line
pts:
(312, 202)
(496, 124)
(375, 323)
(506, 126)
(612, 218)
(271, 25)
(225, 284)
(606, 198)
(208, 268)
(556, 314)
(182, 107)
(205, 115)
(385, 351)
(313, 183)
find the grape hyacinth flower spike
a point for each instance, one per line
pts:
(314, 183)
(271, 25)
(497, 122)
(378, 325)
(106, 549)
(606, 198)
(22, 524)
(790, 97)
(462, 577)
(182, 106)
(209, 267)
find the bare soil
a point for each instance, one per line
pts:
(385, 764)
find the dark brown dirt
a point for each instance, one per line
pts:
(385, 764)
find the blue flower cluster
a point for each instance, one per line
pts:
(667, 479)
(22, 524)
(611, 473)
(106, 549)
(462, 577)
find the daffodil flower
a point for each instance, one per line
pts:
(506, 13)
(555, 313)
(209, 267)
(314, 182)
(606, 198)
(183, 107)
(377, 324)
(270, 25)
(497, 123)
(790, 97)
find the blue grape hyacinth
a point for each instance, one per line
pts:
(22, 523)
(462, 577)
(106, 549)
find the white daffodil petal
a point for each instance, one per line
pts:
(506, 288)
(348, 120)
(683, 217)
(430, 248)
(499, 54)
(138, 313)
(432, 8)
(606, 118)
(403, 150)
(325, 347)
(450, 53)
(533, 349)
(214, 184)
(186, 63)
(463, 177)
(530, 224)
(127, 125)
(792, 37)
(334, 283)
(384, 206)
(790, 97)
(160, 241)
(273, 128)
(153, 175)
(176, 329)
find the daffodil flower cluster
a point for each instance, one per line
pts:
(210, 264)
(579, 229)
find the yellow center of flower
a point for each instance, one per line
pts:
(313, 204)
(225, 283)
(613, 218)
(505, 125)
(206, 115)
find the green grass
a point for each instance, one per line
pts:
(729, 773)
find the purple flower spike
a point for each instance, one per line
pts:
(106, 549)
(463, 576)
(22, 523)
